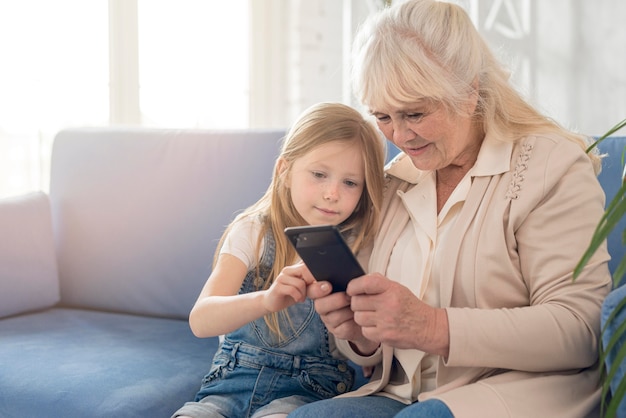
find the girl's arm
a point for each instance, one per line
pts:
(220, 309)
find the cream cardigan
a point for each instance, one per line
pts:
(523, 335)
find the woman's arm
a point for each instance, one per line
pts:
(531, 315)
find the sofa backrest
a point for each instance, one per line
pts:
(611, 180)
(137, 213)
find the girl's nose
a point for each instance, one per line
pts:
(331, 192)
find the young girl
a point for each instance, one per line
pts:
(276, 353)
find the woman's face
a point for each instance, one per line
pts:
(433, 138)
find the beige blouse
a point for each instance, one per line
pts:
(414, 263)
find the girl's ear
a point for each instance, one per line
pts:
(281, 170)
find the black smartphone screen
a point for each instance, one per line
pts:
(326, 254)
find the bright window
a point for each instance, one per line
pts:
(193, 72)
(53, 74)
(193, 63)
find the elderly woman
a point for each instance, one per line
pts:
(471, 309)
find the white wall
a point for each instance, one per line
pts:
(568, 56)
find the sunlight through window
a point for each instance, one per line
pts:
(54, 74)
(193, 63)
(193, 73)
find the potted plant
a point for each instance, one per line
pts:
(615, 211)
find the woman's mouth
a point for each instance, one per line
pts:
(414, 151)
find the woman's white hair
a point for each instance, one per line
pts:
(427, 50)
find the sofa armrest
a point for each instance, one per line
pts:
(28, 269)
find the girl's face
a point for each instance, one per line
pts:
(326, 184)
(431, 137)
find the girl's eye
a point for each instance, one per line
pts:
(350, 183)
(318, 174)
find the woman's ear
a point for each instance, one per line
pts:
(472, 101)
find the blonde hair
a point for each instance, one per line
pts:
(318, 125)
(430, 50)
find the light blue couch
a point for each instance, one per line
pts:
(611, 180)
(97, 279)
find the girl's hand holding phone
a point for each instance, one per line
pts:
(290, 287)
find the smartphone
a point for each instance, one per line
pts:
(326, 254)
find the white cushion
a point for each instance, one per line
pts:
(28, 270)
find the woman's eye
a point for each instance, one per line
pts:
(382, 118)
(415, 116)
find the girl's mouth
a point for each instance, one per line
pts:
(327, 211)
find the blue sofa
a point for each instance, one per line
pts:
(98, 276)
(614, 304)
(97, 279)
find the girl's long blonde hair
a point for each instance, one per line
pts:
(430, 50)
(318, 125)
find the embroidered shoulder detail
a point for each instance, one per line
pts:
(520, 168)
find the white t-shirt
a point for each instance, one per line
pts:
(242, 239)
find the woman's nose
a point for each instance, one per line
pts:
(401, 132)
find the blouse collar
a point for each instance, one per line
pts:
(493, 158)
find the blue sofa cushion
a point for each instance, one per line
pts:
(77, 363)
(28, 269)
(611, 180)
(611, 304)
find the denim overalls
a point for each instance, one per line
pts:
(253, 367)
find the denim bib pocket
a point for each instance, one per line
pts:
(328, 380)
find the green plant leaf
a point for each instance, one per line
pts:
(619, 356)
(617, 395)
(615, 211)
(618, 274)
(610, 132)
(611, 217)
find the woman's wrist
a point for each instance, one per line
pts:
(442, 333)
(364, 348)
